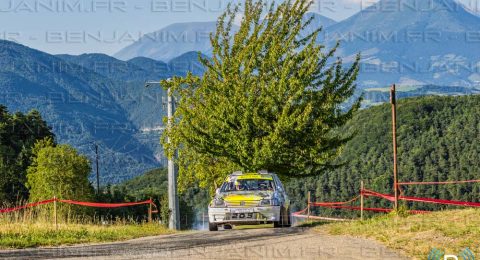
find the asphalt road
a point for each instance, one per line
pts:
(267, 243)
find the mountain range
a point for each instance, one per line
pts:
(173, 40)
(94, 98)
(97, 98)
(421, 42)
(408, 42)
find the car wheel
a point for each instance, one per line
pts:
(289, 218)
(212, 227)
(279, 223)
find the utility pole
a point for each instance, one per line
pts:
(174, 218)
(393, 101)
(172, 175)
(98, 173)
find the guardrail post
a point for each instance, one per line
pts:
(361, 200)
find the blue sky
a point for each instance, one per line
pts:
(105, 26)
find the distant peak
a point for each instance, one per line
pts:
(141, 59)
(417, 5)
(94, 55)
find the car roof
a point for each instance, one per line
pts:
(250, 176)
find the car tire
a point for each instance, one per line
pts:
(279, 223)
(289, 218)
(212, 227)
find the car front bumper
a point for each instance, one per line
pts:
(244, 216)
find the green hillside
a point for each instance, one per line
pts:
(93, 98)
(438, 138)
(143, 106)
(151, 184)
(80, 106)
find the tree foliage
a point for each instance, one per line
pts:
(18, 134)
(269, 99)
(59, 171)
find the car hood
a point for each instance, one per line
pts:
(245, 196)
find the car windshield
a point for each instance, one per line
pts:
(248, 185)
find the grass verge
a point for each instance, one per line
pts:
(16, 235)
(448, 231)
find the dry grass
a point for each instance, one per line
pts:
(449, 231)
(40, 234)
(33, 229)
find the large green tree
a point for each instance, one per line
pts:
(18, 134)
(270, 98)
(58, 171)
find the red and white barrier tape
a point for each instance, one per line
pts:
(105, 205)
(438, 182)
(322, 218)
(376, 209)
(80, 203)
(426, 200)
(30, 205)
(320, 204)
(299, 212)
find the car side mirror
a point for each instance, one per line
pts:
(217, 191)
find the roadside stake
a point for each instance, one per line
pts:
(361, 200)
(308, 206)
(393, 101)
(150, 211)
(55, 212)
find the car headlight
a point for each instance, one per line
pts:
(265, 202)
(272, 202)
(275, 202)
(218, 203)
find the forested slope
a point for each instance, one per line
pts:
(438, 140)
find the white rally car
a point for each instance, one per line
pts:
(250, 199)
